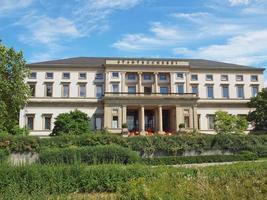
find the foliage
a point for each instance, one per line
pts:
(259, 116)
(102, 154)
(124, 125)
(3, 156)
(75, 122)
(174, 160)
(182, 125)
(14, 92)
(226, 123)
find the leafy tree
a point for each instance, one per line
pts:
(14, 92)
(75, 122)
(227, 124)
(259, 116)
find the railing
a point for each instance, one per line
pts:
(144, 94)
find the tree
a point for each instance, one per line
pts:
(14, 92)
(259, 116)
(75, 123)
(229, 124)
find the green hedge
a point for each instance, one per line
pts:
(101, 154)
(3, 156)
(173, 160)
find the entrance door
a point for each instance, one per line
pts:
(132, 120)
(166, 120)
(150, 120)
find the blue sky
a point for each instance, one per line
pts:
(225, 30)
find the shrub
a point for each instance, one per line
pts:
(124, 125)
(90, 155)
(3, 156)
(173, 160)
(75, 122)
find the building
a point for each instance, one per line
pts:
(148, 94)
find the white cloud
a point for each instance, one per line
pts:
(10, 5)
(265, 83)
(239, 2)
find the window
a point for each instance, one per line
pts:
(82, 75)
(210, 91)
(147, 90)
(49, 89)
(239, 77)
(99, 76)
(194, 77)
(65, 90)
(225, 91)
(164, 90)
(82, 90)
(32, 89)
(195, 89)
(224, 77)
(47, 122)
(115, 74)
(255, 90)
(254, 78)
(33, 75)
(209, 77)
(115, 122)
(240, 91)
(98, 123)
(30, 122)
(162, 77)
(211, 121)
(131, 76)
(132, 89)
(115, 87)
(180, 88)
(147, 76)
(99, 91)
(180, 75)
(49, 75)
(66, 75)
(187, 121)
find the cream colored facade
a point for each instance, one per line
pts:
(150, 95)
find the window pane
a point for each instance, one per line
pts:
(131, 89)
(99, 76)
(210, 91)
(99, 91)
(254, 78)
(131, 76)
(115, 122)
(209, 77)
(33, 75)
(82, 91)
(49, 90)
(148, 90)
(47, 123)
(255, 90)
(30, 122)
(224, 77)
(239, 77)
(162, 77)
(163, 90)
(180, 75)
(225, 91)
(32, 88)
(115, 75)
(66, 75)
(49, 75)
(98, 123)
(115, 88)
(195, 89)
(82, 76)
(211, 120)
(147, 76)
(194, 77)
(180, 88)
(240, 91)
(66, 90)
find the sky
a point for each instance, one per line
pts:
(232, 31)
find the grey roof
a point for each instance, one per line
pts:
(100, 61)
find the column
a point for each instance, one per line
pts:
(140, 82)
(106, 82)
(195, 118)
(191, 116)
(187, 82)
(124, 114)
(179, 117)
(106, 117)
(123, 82)
(156, 82)
(142, 120)
(160, 120)
(172, 84)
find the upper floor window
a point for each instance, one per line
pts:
(180, 88)
(132, 89)
(82, 75)
(225, 91)
(99, 76)
(239, 77)
(147, 90)
(30, 121)
(49, 75)
(32, 89)
(163, 77)
(255, 90)
(194, 77)
(164, 90)
(33, 75)
(195, 89)
(210, 94)
(224, 77)
(82, 90)
(147, 77)
(115, 87)
(209, 77)
(99, 91)
(66, 75)
(180, 75)
(240, 91)
(48, 89)
(131, 76)
(115, 74)
(65, 90)
(254, 78)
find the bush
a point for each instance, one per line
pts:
(91, 155)
(74, 122)
(173, 160)
(3, 156)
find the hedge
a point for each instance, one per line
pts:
(174, 160)
(3, 156)
(101, 154)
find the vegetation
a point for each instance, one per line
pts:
(75, 122)
(101, 154)
(229, 124)
(14, 92)
(259, 116)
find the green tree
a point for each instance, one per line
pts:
(229, 124)
(75, 123)
(259, 116)
(14, 92)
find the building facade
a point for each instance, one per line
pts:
(150, 95)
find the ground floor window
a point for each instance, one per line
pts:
(30, 121)
(211, 120)
(115, 122)
(186, 121)
(98, 123)
(47, 122)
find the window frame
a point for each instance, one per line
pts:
(47, 77)
(208, 121)
(62, 90)
(239, 75)
(45, 116)
(115, 77)
(252, 90)
(223, 87)
(27, 121)
(131, 86)
(79, 90)
(96, 92)
(133, 76)
(63, 75)
(46, 87)
(180, 77)
(256, 80)
(30, 76)
(237, 91)
(224, 75)
(210, 86)
(192, 75)
(164, 87)
(207, 75)
(82, 78)
(163, 75)
(177, 88)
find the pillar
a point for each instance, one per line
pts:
(179, 117)
(160, 120)
(156, 82)
(191, 118)
(142, 120)
(172, 84)
(124, 114)
(123, 82)
(195, 118)
(106, 82)
(140, 82)
(187, 82)
(106, 117)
